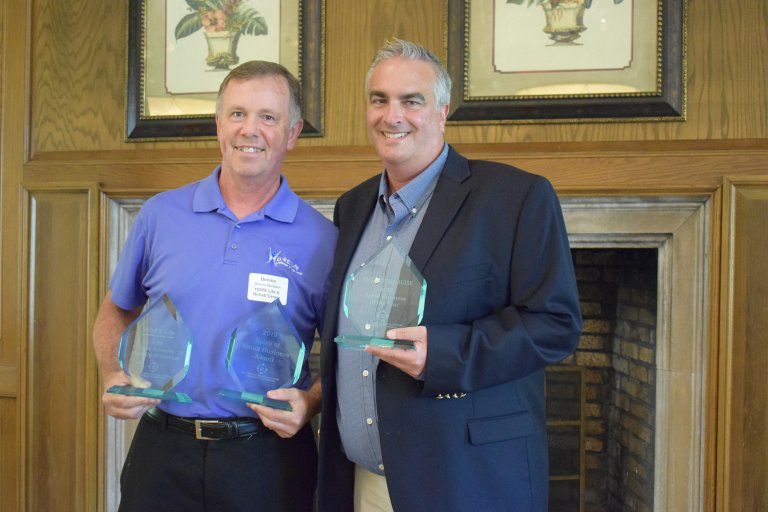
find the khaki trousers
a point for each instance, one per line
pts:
(371, 493)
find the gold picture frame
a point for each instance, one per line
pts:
(172, 83)
(518, 61)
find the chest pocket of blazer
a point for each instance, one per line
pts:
(467, 274)
(466, 290)
(500, 428)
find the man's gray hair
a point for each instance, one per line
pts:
(261, 69)
(408, 50)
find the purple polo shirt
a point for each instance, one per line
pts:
(187, 243)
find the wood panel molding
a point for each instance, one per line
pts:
(9, 381)
(60, 384)
(743, 418)
(9, 455)
(77, 68)
(15, 19)
(327, 172)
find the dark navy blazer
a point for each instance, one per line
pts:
(501, 305)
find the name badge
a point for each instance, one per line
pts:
(267, 288)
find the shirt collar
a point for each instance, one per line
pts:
(282, 207)
(413, 194)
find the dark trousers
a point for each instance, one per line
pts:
(167, 470)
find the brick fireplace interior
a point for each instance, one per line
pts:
(601, 400)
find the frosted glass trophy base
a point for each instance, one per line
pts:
(158, 394)
(360, 342)
(256, 398)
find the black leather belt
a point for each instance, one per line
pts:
(210, 429)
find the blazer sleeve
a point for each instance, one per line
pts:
(539, 325)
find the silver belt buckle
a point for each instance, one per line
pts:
(199, 430)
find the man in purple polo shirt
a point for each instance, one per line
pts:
(207, 245)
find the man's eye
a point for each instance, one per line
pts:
(237, 115)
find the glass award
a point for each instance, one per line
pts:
(266, 352)
(154, 353)
(387, 291)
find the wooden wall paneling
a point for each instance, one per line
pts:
(326, 172)
(726, 64)
(61, 372)
(14, 36)
(78, 80)
(78, 56)
(743, 419)
(8, 380)
(79, 76)
(12, 156)
(9, 478)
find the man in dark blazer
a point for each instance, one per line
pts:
(458, 424)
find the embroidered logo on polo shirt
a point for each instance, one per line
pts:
(277, 260)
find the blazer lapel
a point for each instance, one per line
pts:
(362, 204)
(351, 229)
(446, 201)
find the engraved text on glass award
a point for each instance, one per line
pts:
(264, 353)
(385, 292)
(154, 353)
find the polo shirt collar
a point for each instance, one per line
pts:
(282, 207)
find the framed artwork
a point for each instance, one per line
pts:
(179, 51)
(533, 61)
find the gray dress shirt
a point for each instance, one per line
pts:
(395, 219)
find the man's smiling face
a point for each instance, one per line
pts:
(405, 125)
(253, 127)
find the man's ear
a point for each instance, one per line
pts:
(293, 134)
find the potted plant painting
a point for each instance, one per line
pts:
(223, 22)
(564, 18)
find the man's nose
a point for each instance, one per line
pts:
(393, 113)
(251, 126)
